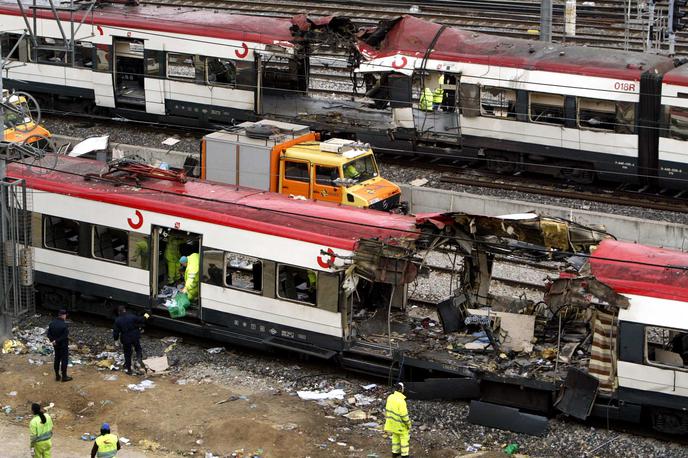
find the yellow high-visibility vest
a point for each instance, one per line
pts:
(396, 414)
(426, 99)
(107, 445)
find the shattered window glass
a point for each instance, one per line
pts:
(243, 272)
(546, 108)
(678, 123)
(666, 347)
(497, 102)
(221, 72)
(61, 234)
(297, 284)
(596, 114)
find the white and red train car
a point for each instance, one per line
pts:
(575, 111)
(269, 264)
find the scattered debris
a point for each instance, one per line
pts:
(357, 415)
(341, 410)
(229, 399)
(215, 350)
(124, 440)
(142, 386)
(88, 437)
(12, 393)
(157, 365)
(315, 395)
(369, 387)
(13, 346)
(149, 445)
(419, 182)
(7, 410)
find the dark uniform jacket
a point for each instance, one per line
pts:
(59, 333)
(127, 328)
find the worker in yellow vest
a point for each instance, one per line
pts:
(426, 98)
(41, 432)
(192, 266)
(438, 94)
(172, 253)
(106, 445)
(397, 422)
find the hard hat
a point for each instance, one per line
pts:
(105, 426)
(183, 260)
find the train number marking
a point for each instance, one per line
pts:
(624, 86)
(138, 223)
(401, 64)
(243, 53)
(329, 262)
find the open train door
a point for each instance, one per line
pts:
(168, 245)
(436, 113)
(128, 71)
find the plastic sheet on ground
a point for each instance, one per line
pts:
(316, 396)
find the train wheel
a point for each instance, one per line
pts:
(502, 164)
(669, 421)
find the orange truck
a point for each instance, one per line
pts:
(290, 159)
(19, 124)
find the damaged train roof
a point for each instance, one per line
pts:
(636, 269)
(418, 39)
(330, 224)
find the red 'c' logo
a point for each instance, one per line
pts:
(139, 223)
(326, 264)
(242, 54)
(400, 64)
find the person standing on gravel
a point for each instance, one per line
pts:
(127, 330)
(58, 333)
(397, 422)
(41, 433)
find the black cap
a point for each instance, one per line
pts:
(61, 312)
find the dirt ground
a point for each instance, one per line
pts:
(174, 419)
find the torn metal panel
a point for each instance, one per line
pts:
(450, 315)
(584, 292)
(385, 263)
(577, 395)
(507, 418)
(448, 389)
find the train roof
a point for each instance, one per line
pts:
(328, 224)
(178, 20)
(412, 37)
(642, 270)
(677, 76)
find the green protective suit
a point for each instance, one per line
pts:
(426, 98)
(192, 275)
(40, 435)
(172, 255)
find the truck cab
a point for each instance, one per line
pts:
(290, 159)
(336, 170)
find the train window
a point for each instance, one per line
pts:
(60, 234)
(220, 72)
(596, 114)
(152, 62)
(246, 75)
(184, 66)
(297, 171)
(297, 284)
(139, 251)
(7, 42)
(103, 56)
(497, 102)
(243, 272)
(666, 347)
(49, 52)
(110, 244)
(678, 123)
(83, 54)
(546, 108)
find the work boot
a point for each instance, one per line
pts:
(396, 455)
(57, 377)
(128, 371)
(66, 378)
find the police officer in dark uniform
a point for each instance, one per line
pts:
(127, 330)
(58, 333)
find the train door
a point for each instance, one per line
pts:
(168, 275)
(325, 187)
(296, 179)
(436, 116)
(128, 74)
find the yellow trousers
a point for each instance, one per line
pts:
(42, 449)
(400, 443)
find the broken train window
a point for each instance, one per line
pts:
(60, 233)
(110, 244)
(297, 284)
(497, 102)
(243, 272)
(546, 108)
(666, 347)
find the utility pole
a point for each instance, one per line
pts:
(5, 318)
(546, 21)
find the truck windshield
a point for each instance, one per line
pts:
(361, 169)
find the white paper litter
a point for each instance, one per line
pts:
(215, 350)
(90, 144)
(315, 395)
(143, 386)
(369, 387)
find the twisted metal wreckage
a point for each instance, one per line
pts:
(510, 354)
